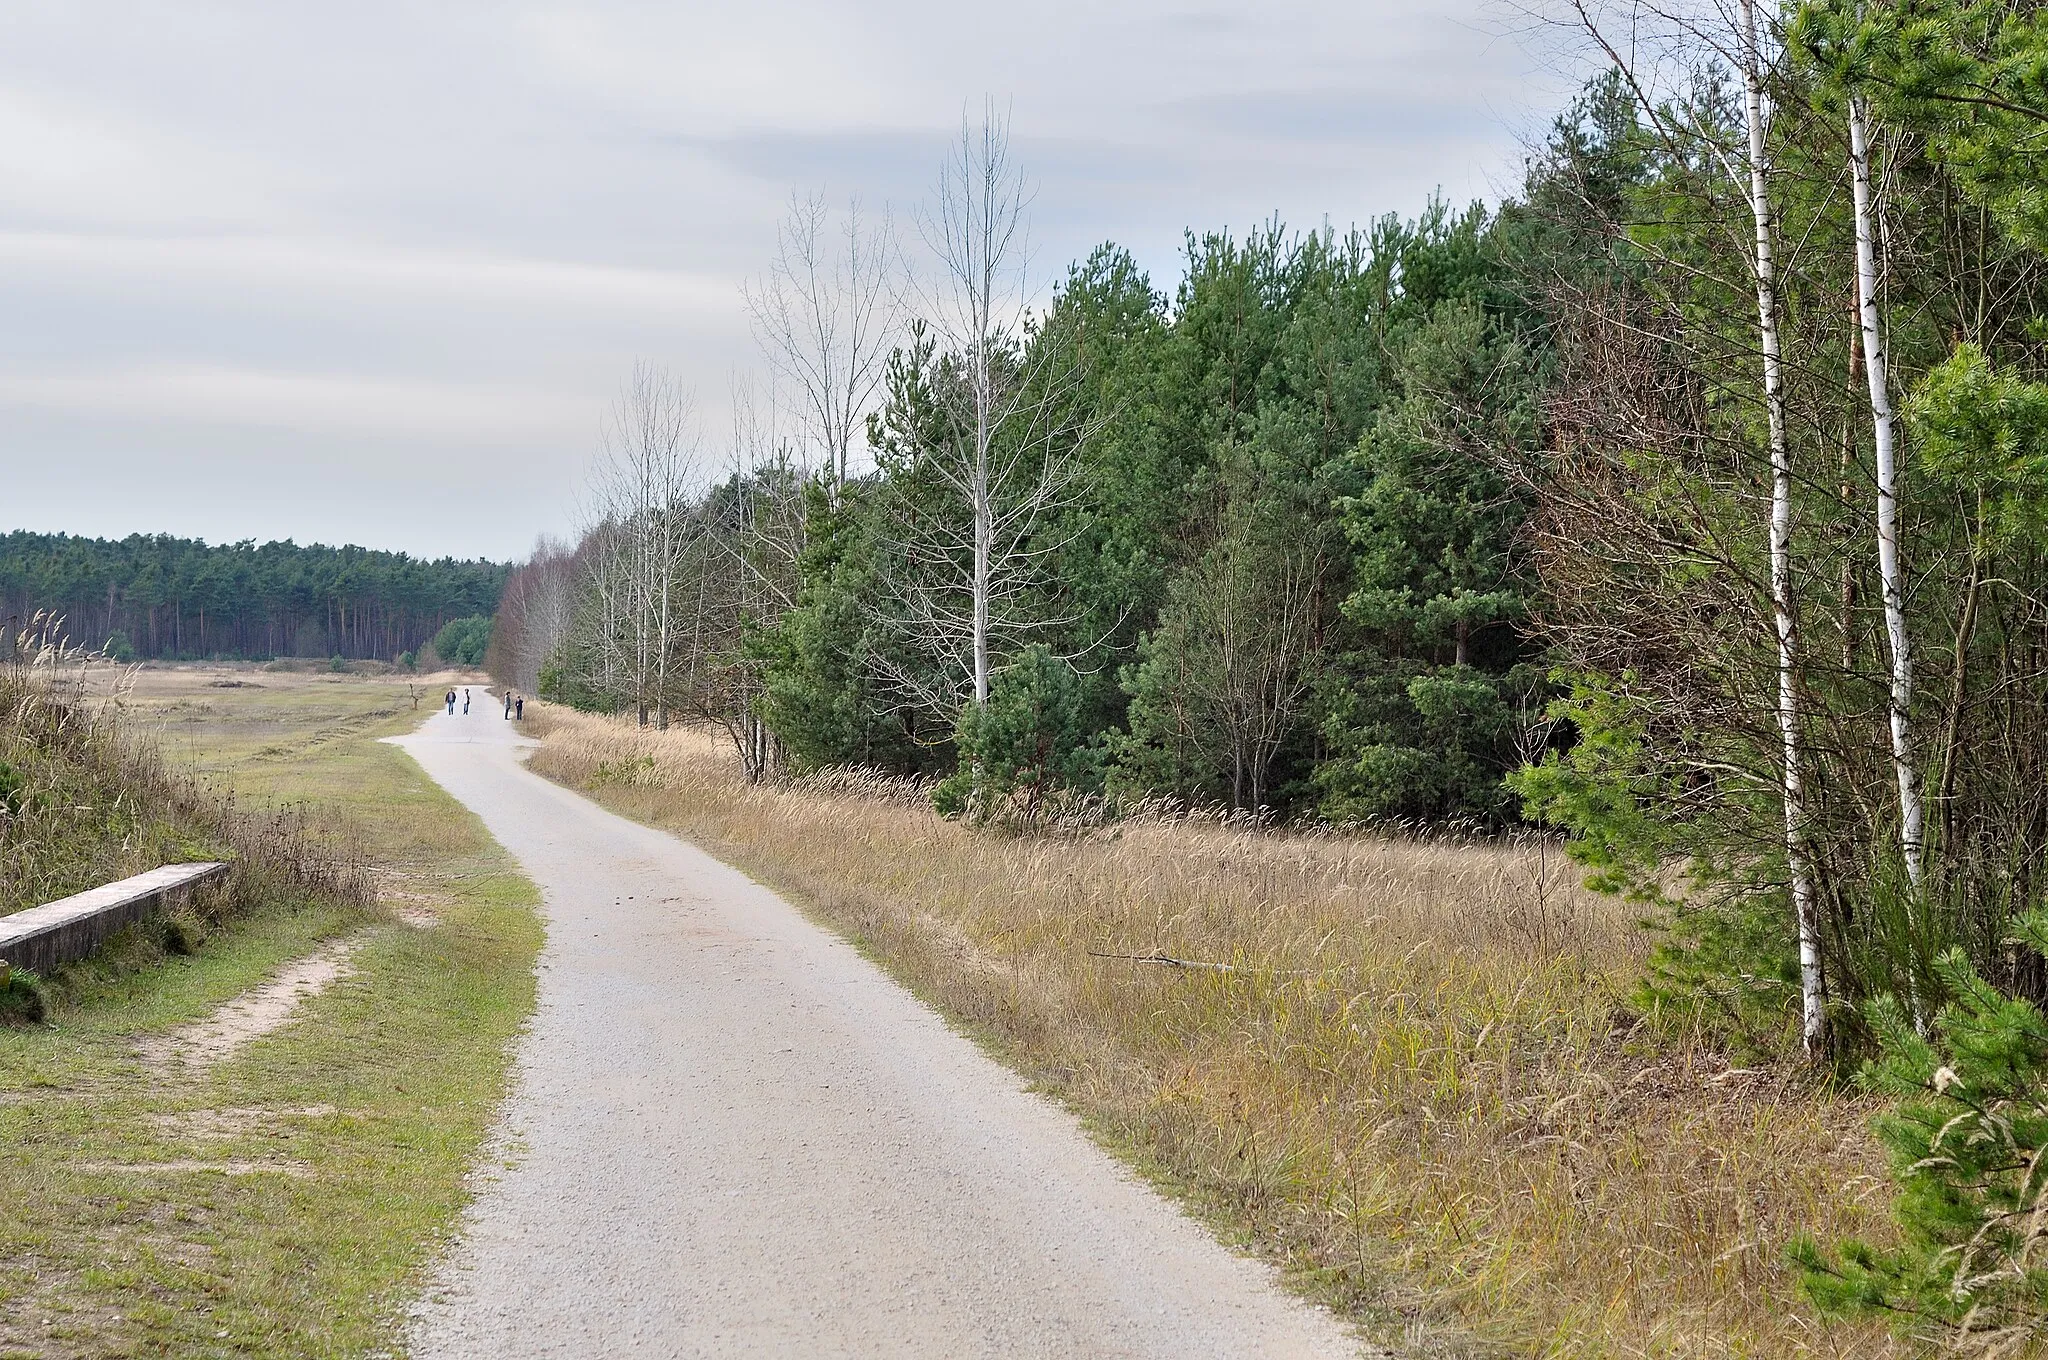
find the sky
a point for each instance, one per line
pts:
(373, 272)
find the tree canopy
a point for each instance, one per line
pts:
(156, 596)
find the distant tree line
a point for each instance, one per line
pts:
(159, 597)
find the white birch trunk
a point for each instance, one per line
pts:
(1005, 459)
(1912, 812)
(664, 633)
(986, 253)
(984, 493)
(1805, 903)
(642, 486)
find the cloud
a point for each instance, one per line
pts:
(380, 408)
(341, 266)
(1314, 119)
(350, 244)
(67, 161)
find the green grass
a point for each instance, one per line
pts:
(356, 1123)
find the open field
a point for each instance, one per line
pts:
(282, 1199)
(1414, 1079)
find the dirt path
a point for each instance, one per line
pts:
(251, 1015)
(733, 1136)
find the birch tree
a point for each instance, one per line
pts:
(597, 641)
(1696, 36)
(1805, 903)
(824, 314)
(992, 445)
(1912, 814)
(643, 480)
(536, 612)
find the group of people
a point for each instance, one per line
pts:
(515, 704)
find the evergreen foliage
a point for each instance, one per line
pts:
(463, 642)
(1023, 749)
(1433, 700)
(1969, 75)
(823, 694)
(1357, 526)
(1194, 582)
(155, 596)
(1966, 1144)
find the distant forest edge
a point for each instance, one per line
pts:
(155, 597)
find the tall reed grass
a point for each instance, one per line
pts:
(1407, 1070)
(85, 800)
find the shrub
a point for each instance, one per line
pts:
(21, 998)
(1024, 747)
(1966, 1147)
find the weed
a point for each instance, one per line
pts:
(21, 997)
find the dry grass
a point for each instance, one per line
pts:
(97, 800)
(1416, 1083)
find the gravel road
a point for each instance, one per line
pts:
(733, 1136)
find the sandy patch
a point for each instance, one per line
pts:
(200, 1125)
(252, 1014)
(231, 1167)
(414, 909)
(418, 910)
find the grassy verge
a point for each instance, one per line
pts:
(284, 1201)
(1415, 1084)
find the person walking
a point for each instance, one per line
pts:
(451, 703)
(508, 705)
(465, 698)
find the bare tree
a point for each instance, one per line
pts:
(772, 472)
(551, 609)
(642, 487)
(597, 638)
(535, 614)
(1805, 903)
(1237, 661)
(825, 315)
(999, 449)
(742, 567)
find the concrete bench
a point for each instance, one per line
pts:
(73, 927)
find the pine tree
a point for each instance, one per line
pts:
(1966, 1146)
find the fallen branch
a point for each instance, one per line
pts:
(1169, 961)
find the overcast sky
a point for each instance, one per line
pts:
(371, 272)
